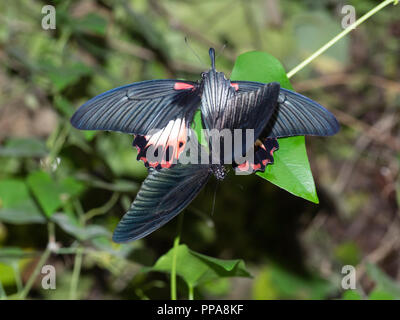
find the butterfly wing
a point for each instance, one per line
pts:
(223, 107)
(263, 156)
(295, 114)
(249, 110)
(159, 110)
(163, 195)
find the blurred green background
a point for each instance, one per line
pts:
(68, 188)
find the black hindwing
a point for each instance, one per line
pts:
(295, 115)
(163, 195)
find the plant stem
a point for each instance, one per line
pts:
(58, 143)
(42, 260)
(191, 292)
(340, 36)
(174, 258)
(17, 274)
(35, 273)
(76, 274)
(103, 209)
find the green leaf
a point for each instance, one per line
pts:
(383, 282)
(7, 274)
(197, 126)
(291, 169)
(16, 205)
(92, 22)
(10, 255)
(351, 295)
(196, 268)
(23, 147)
(64, 106)
(261, 67)
(12, 261)
(77, 231)
(348, 253)
(29, 214)
(275, 282)
(51, 194)
(89, 134)
(65, 75)
(121, 159)
(380, 295)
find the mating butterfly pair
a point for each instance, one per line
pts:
(160, 112)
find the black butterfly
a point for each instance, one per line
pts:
(160, 112)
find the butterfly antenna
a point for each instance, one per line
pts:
(194, 52)
(221, 51)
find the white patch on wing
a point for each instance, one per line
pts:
(174, 135)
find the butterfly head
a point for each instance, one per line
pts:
(205, 75)
(211, 76)
(219, 171)
(211, 52)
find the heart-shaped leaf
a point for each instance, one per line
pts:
(196, 268)
(291, 169)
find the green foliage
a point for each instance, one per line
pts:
(23, 147)
(348, 253)
(16, 205)
(196, 268)
(77, 231)
(12, 261)
(380, 295)
(274, 282)
(52, 194)
(351, 295)
(385, 287)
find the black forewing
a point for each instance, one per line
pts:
(163, 195)
(295, 115)
(139, 107)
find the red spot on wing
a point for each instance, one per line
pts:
(263, 155)
(244, 166)
(182, 86)
(235, 86)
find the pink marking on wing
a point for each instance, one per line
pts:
(235, 86)
(182, 86)
(265, 161)
(244, 166)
